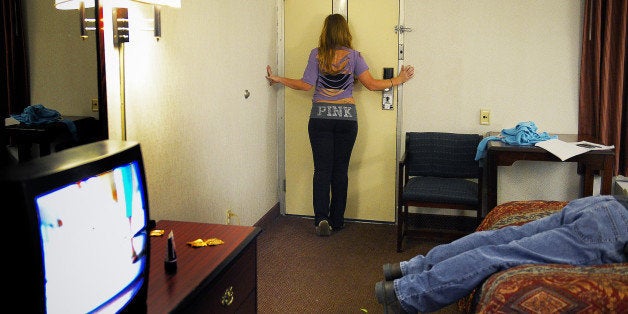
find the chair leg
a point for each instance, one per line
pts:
(400, 224)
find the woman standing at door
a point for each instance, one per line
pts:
(332, 69)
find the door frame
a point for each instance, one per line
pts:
(342, 6)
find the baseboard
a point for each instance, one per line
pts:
(269, 217)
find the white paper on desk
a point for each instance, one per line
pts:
(565, 150)
(593, 146)
(562, 150)
(10, 121)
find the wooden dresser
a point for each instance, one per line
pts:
(211, 279)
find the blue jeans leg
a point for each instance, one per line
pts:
(587, 231)
(439, 253)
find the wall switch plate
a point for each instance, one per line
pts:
(485, 116)
(94, 105)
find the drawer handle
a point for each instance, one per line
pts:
(227, 297)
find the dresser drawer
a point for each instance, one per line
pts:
(234, 290)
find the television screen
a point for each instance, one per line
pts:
(86, 211)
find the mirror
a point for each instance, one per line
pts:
(64, 68)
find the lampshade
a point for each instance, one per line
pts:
(170, 3)
(72, 4)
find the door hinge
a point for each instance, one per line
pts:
(400, 29)
(284, 185)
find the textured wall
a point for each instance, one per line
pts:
(209, 149)
(63, 73)
(520, 59)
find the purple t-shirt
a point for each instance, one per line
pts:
(337, 86)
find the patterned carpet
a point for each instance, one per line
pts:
(300, 272)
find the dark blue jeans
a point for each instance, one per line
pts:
(332, 142)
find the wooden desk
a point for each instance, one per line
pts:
(207, 274)
(499, 153)
(24, 135)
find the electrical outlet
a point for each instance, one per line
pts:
(94, 105)
(230, 214)
(485, 116)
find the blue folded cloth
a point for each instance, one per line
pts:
(38, 115)
(524, 133)
(481, 152)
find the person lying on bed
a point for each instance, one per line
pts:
(587, 231)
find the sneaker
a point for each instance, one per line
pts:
(392, 271)
(386, 296)
(323, 228)
(338, 227)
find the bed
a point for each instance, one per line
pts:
(553, 288)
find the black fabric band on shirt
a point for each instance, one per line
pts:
(321, 110)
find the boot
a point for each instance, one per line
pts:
(386, 296)
(392, 271)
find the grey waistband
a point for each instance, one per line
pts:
(321, 110)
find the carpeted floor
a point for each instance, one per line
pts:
(300, 272)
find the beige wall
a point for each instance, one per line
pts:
(520, 59)
(63, 73)
(208, 149)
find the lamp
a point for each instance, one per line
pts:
(121, 36)
(80, 5)
(170, 3)
(157, 12)
(120, 25)
(72, 4)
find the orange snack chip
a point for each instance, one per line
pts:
(157, 233)
(208, 242)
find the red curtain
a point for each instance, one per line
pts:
(603, 107)
(15, 85)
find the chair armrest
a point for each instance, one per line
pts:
(401, 172)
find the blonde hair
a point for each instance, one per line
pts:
(335, 34)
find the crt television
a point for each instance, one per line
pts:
(81, 216)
